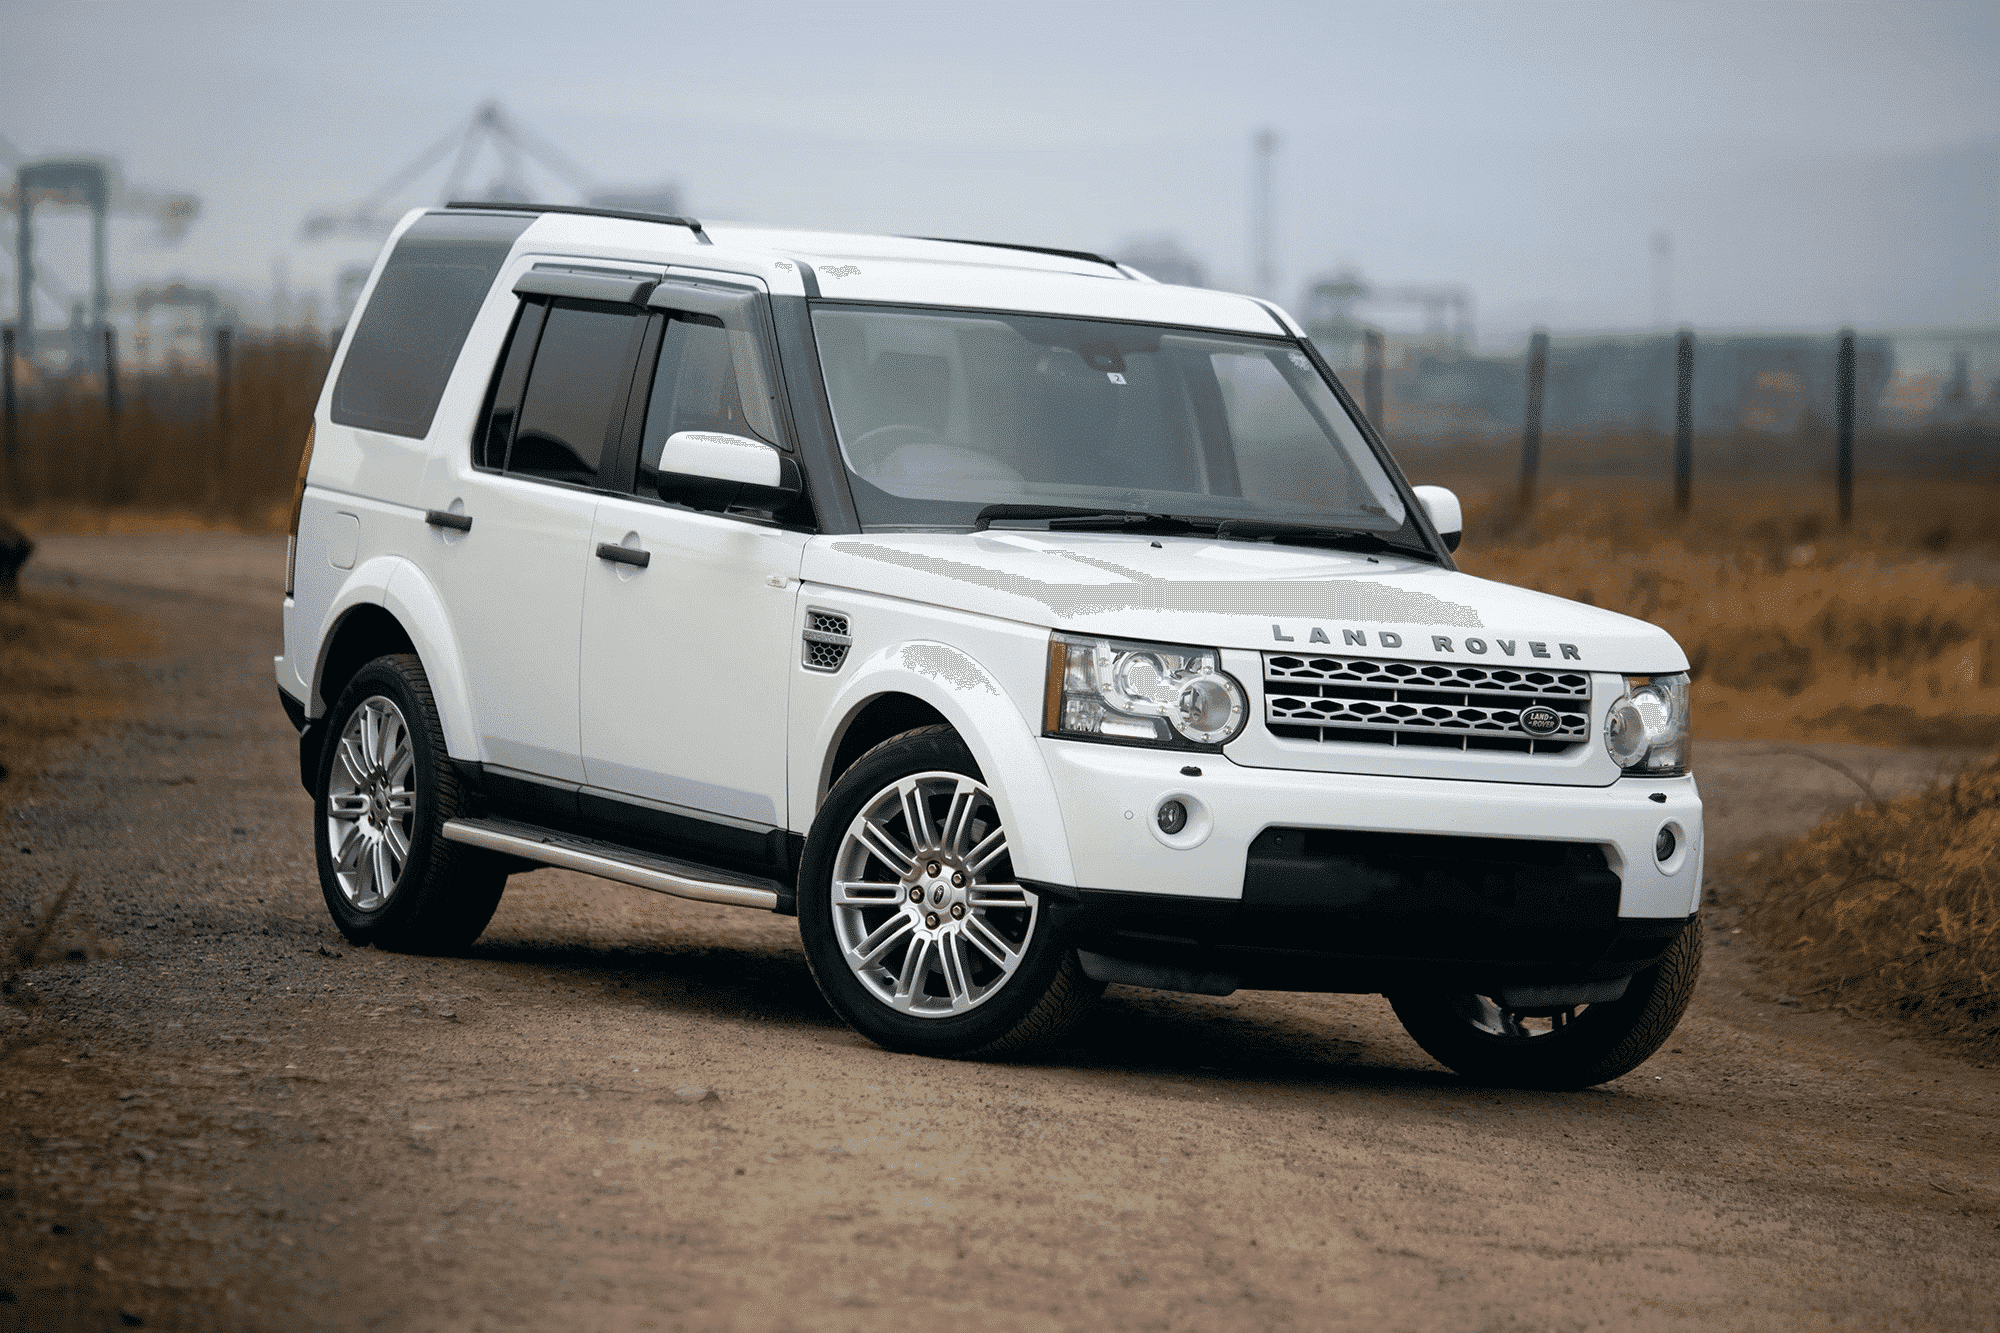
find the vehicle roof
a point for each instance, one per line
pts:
(904, 270)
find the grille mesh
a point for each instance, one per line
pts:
(826, 640)
(1447, 705)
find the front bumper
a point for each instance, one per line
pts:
(1327, 881)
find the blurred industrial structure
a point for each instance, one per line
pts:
(490, 141)
(1162, 257)
(91, 185)
(1411, 348)
(492, 147)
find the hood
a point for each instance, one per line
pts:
(1231, 594)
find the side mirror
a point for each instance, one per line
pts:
(1446, 514)
(708, 469)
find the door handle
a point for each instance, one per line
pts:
(624, 555)
(439, 518)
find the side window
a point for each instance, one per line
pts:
(571, 403)
(707, 378)
(430, 291)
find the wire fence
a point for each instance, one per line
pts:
(219, 440)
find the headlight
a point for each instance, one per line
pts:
(1647, 731)
(1143, 693)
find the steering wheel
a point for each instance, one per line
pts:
(871, 449)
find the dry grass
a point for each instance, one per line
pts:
(172, 455)
(1892, 909)
(1883, 634)
(55, 676)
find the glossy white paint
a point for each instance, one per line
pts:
(720, 456)
(1233, 594)
(685, 663)
(1441, 503)
(1098, 784)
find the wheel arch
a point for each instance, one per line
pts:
(885, 715)
(885, 698)
(390, 607)
(364, 633)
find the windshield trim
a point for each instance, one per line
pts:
(1416, 519)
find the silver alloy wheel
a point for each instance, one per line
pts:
(1490, 1018)
(924, 905)
(371, 803)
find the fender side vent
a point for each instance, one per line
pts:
(826, 640)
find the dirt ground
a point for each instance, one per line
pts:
(622, 1111)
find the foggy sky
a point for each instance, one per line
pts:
(1815, 163)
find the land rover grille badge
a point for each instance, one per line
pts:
(1539, 721)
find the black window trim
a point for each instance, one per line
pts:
(619, 472)
(614, 443)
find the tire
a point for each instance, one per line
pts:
(383, 792)
(981, 966)
(1579, 1047)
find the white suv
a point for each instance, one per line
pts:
(1019, 623)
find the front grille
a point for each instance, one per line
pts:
(1435, 704)
(826, 640)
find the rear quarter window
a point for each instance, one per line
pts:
(415, 323)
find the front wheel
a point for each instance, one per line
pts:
(1570, 1048)
(913, 922)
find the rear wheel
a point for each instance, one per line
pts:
(1573, 1047)
(384, 791)
(915, 926)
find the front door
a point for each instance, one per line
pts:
(686, 661)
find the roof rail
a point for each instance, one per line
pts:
(692, 224)
(1084, 255)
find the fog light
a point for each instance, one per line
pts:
(1172, 817)
(1663, 846)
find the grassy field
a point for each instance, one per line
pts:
(54, 680)
(172, 454)
(1891, 909)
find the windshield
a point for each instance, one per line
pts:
(942, 414)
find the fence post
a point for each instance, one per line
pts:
(1531, 423)
(1843, 418)
(219, 478)
(1684, 422)
(11, 407)
(1371, 377)
(112, 402)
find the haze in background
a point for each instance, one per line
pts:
(1815, 164)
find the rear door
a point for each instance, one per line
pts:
(686, 662)
(514, 579)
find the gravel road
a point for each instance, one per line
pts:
(622, 1111)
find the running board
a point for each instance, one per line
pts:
(608, 860)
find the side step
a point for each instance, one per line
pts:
(608, 860)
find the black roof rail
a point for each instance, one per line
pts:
(1084, 255)
(692, 224)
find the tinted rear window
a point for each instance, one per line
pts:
(416, 321)
(582, 365)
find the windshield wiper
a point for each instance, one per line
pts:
(1082, 517)
(1251, 529)
(1074, 517)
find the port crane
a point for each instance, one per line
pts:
(91, 183)
(493, 134)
